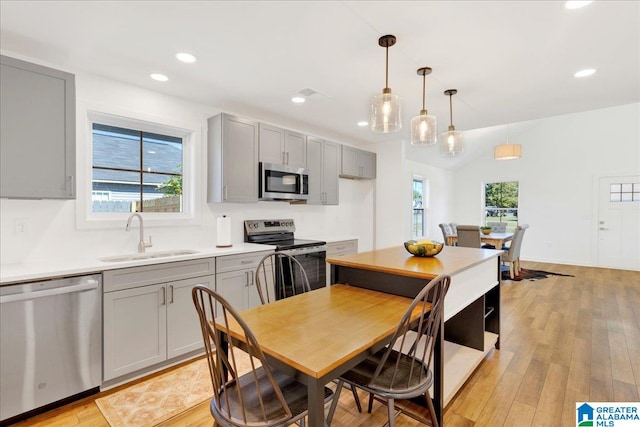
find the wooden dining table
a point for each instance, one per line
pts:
(318, 335)
(495, 239)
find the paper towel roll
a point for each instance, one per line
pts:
(223, 232)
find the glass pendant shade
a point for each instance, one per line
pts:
(385, 113)
(507, 152)
(423, 129)
(451, 142)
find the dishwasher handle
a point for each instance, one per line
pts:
(90, 284)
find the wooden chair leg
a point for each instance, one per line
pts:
(391, 410)
(511, 269)
(370, 406)
(432, 410)
(356, 397)
(334, 402)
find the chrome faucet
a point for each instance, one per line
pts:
(141, 244)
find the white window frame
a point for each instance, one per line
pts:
(190, 133)
(425, 204)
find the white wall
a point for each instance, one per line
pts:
(53, 226)
(394, 195)
(562, 157)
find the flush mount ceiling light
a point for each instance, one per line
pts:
(577, 4)
(363, 123)
(584, 73)
(385, 108)
(423, 126)
(186, 57)
(507, 151)
(159, 77)
(451, 141)
(298, 99)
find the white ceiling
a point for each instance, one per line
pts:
(511, 61)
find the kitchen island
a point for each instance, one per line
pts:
(471, 310)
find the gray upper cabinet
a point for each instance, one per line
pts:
(232, 159)
(323, 158)
(37, 131)
(282, 146)
(358, 163)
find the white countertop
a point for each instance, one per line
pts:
(329, 239)
(72, 266)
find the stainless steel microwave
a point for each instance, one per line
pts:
(281, 182)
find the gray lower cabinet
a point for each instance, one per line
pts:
(358, 163)
(236, 279)
(232, 159)
(37, 131)
(149, 315)
(323, 160)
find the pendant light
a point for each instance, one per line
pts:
(385, 107)
(423, 126)
(507, 151)
(451, 141)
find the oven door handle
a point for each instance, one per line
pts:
(305, 251)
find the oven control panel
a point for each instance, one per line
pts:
(261, 226)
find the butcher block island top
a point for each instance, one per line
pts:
(398, 261)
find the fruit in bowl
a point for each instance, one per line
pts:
(423, 247)
(485, 230)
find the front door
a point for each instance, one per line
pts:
(619, 222)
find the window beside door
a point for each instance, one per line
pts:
(501, 203)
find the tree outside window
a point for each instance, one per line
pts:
(501, 203)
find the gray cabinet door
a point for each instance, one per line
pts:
(232, 159)
(314, 166)
(330, 164)
(271, 145)
(183, 326)
(367, 164)
(358, 163)
(135, 325)
(295, 149)
(37, 131)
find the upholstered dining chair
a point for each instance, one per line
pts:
(512, 256)
(402, 370)
(284, 271)
(447, 234)
(259, 397)
(469, 236)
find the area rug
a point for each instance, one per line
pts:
(162, 397)
(526, 274)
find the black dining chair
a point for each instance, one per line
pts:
(402, 370)
(259, 397)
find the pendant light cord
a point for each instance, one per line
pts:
(424, 84)
(450, 112)
(386, 72)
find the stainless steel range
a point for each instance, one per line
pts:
(279, 232)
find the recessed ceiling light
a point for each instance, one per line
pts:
(585, 73)
(186, 57)
(159, 77)
(298, 99)
(363, 123)
(577, 4)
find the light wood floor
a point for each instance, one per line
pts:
(564, 340)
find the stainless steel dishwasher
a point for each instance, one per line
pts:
(50, 342)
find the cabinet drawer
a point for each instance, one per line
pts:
(240, 261)
(342, 248)
(133, 277)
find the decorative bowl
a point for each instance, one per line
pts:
(486, 231)
(423, 248)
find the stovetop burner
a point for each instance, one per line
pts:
(276, 232)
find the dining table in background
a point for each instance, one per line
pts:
(319, 335)
(495, 239)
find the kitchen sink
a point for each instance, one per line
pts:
(148, 255)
